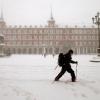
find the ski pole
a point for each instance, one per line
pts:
(76, 71)
(56, 67)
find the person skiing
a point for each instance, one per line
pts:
(67, 67)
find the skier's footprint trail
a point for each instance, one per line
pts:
(77, 94)
(20, 92)
(95, 90)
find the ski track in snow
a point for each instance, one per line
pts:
(8, 92)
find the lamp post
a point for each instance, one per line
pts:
(96, 20)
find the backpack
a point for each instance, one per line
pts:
(61, 59)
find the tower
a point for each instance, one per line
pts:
(2, 22)
(51, 22)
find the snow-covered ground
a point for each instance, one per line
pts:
(30, 77)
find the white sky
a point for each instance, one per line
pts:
(36, 12)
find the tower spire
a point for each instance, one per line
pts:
(51, 22)
(51, 14)
(1, 16)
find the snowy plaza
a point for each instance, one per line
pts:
(30, 77)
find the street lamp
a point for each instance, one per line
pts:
(96, 20)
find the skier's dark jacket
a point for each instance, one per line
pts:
(68, 59)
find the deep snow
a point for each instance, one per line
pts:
(30, 77)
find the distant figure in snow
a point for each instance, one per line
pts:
(67, 59)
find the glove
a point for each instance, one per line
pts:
(76, 62)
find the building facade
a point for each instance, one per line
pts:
(49, 39)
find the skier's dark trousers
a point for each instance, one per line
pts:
(67, 67)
